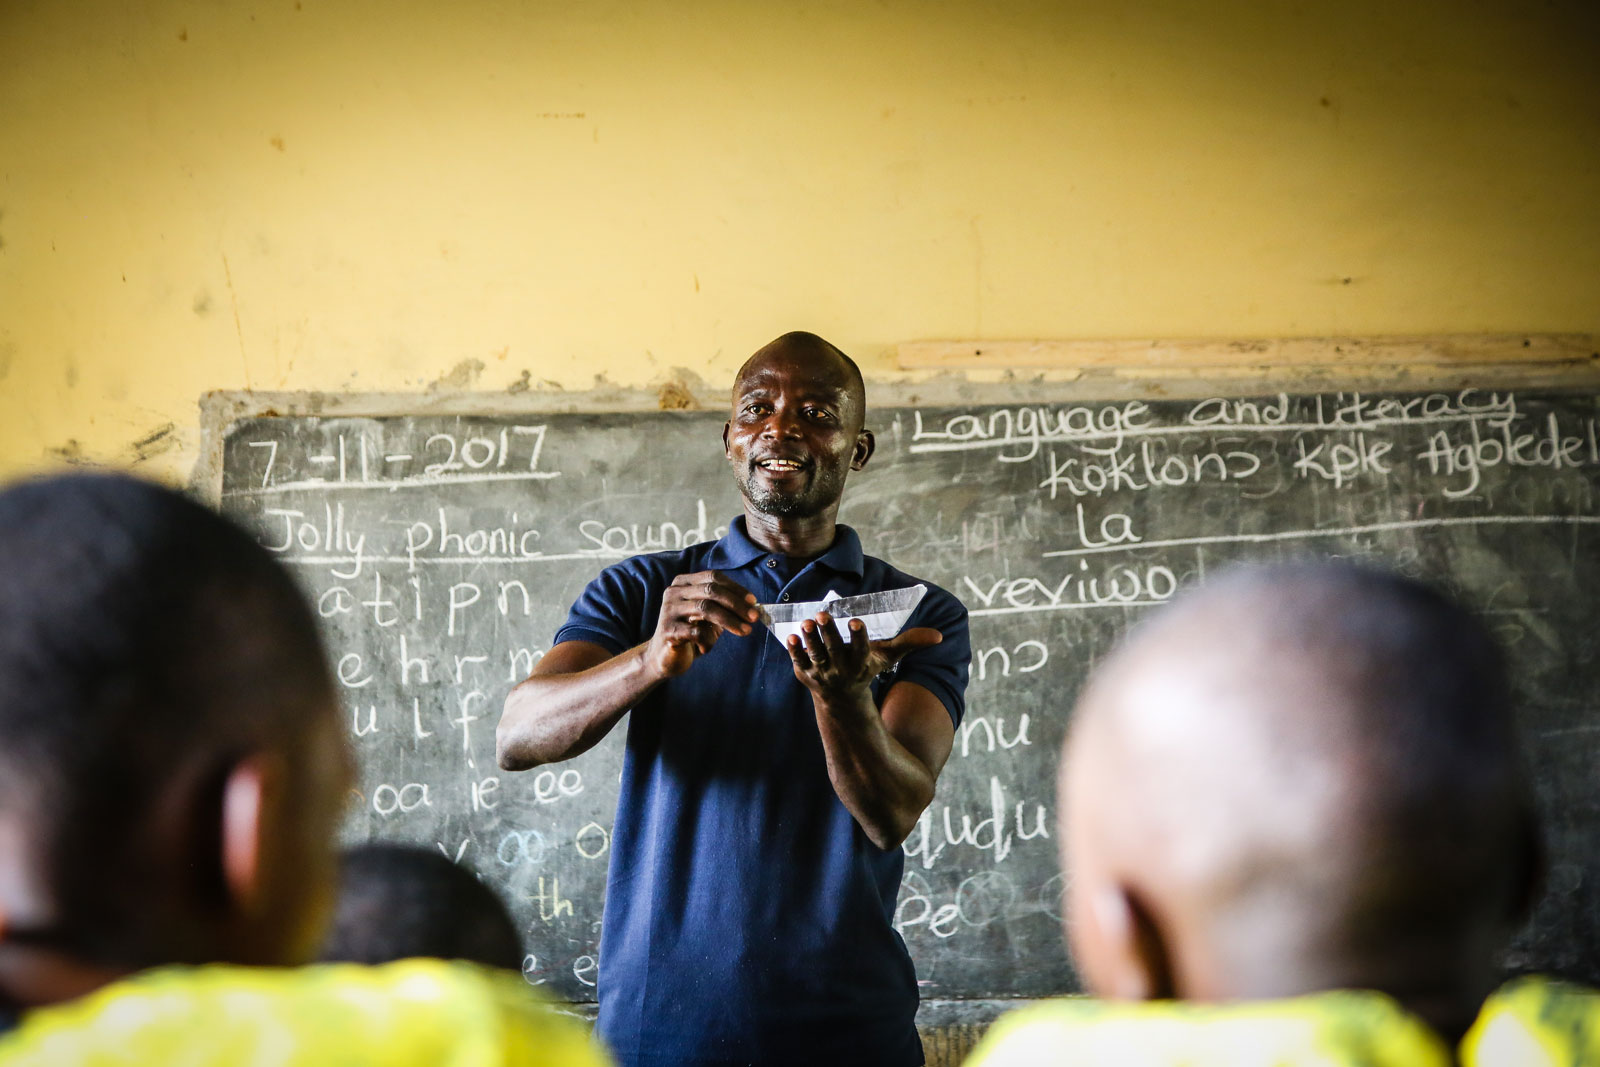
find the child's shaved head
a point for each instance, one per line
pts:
(1297, 778)
(148, 648)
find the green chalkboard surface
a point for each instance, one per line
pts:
(443, 551)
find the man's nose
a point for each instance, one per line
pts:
(781, 424)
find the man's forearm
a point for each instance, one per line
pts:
(877, 779)
(554, 717)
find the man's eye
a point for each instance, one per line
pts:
(819, 413)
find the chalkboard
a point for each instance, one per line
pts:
(443, 551)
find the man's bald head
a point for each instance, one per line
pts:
(812, 351)
(1300, 777)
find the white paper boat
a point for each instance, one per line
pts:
(883, 613)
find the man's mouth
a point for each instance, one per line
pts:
(780, 466)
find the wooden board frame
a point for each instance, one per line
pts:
(1212, 355)
(975, 372)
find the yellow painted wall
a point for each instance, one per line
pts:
(387, 194)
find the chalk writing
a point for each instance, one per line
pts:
(992, 733)
(361, 462)
(1028, 656)
(390, 800)
(1001, 825)
(1117, 587)
(635, 538)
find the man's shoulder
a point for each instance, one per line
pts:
(624, 596)
(412, 1012)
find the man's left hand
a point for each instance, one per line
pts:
(828, 665)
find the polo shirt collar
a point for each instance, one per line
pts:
(736, 550)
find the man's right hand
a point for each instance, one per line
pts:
(695, 610)
(579, 690)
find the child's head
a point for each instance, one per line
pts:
(171, 763)
(1296, 778)
(398, 901)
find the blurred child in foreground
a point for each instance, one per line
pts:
(172, 769)
(1297, 832)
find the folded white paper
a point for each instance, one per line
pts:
(883, 613)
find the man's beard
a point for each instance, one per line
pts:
(781, 505)
(802, 503)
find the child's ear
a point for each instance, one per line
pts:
(250, 801)
(1135, 962)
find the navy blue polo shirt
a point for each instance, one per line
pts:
(748, 919)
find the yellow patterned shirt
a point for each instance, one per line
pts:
(1531, 1022)
(421, 1012)
(1535, 1022)
(1340, 1029)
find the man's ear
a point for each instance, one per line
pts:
(866, 444)
(251, 798)
(725, 428)
(1134, 964)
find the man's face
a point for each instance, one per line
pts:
(795, 432)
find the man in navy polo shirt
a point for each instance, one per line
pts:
(766, 789)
